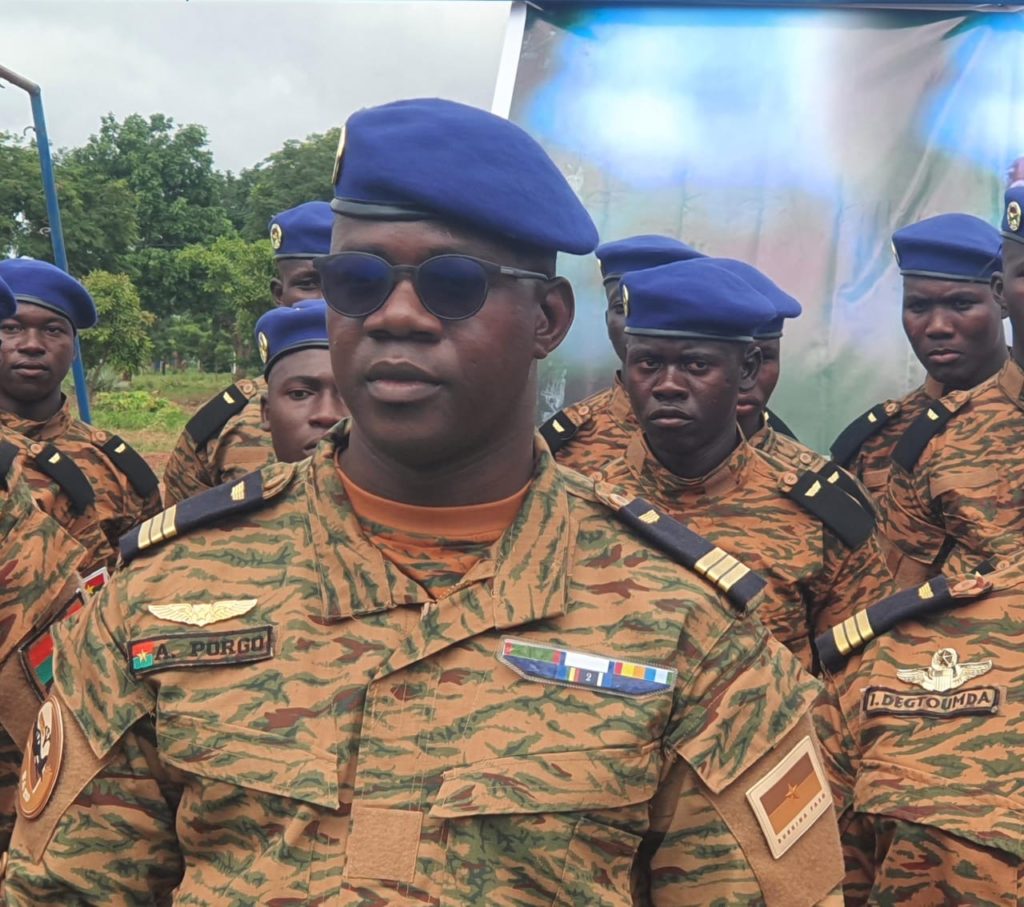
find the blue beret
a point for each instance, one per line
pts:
(288, 329)
(431, 158)
(785, 305)
(1014, 203)
(949, 246)
(8, 304)
(40, 283)
(303, 231)
(696, 298)
(637, 253)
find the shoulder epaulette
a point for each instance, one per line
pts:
(231, 499)
(213, 415)
(842, 480)
(931, 422)
(135, 469)
(558, 431)
(8, 454)
(843, 515)
(72, 481)
(778, 425)
(836, 645)
(731, 577)
(851, 439)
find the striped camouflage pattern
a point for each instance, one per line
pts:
(118, 506)
(241, 447)
(37, 575)
(605, 422)
(813, 579)
(778, 447)
(385, 755)
(871, 463)
(966, 493)
(932, 809)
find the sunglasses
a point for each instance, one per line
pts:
(450, 287)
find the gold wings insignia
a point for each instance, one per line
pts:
(199, 614)
(913, 675)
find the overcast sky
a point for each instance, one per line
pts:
(254, 73)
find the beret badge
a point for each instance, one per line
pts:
(264, 347)
(1013, 216)
(276, 236)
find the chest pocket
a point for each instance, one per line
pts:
(553, 828)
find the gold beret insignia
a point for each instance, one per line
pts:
(1013, 216)
(264, 347)
(276, 235)
(337, 157)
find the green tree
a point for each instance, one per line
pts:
(120, 340)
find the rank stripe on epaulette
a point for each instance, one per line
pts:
(915, 439)
(852, 438)
(72, 481)
(138, 472)
(837, 510)
(558, 431)
(158, 528)
(214, 414)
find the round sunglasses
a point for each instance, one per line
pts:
(450, 287)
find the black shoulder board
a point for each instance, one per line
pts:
(842, 480)
(835, 508)
(778, 425)
(231, 499)
(558, 431)
(67, 475)
(737, 581)
(915, 439)
(136, 470)
(836, 645)
(852, 438)
(8, 454)
(212, 416)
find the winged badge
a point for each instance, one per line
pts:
(946, 672)
(199, 614)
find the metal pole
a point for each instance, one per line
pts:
(60, 254)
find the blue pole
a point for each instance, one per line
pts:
(60, 254)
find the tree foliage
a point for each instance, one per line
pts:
(121, 338)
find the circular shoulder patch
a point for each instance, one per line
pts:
(44, 751)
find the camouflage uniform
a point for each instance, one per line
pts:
(223, 442)
(89, 481)
(588, 434)
(37, 580)
(353, 738)
(924, 740)
(815, 546)
(956, 489)
(865, 445)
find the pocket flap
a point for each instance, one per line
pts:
(270, 763)
(550, 782)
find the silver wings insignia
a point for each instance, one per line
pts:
(946, 672)
(199, 614)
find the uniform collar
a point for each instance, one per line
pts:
(619, 407)
(725, 477)
(1010, 379)
(50, 430)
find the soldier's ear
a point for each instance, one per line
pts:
(997, 293)
(555, 312)
(277, 290)
(750, 366)
(264, 413)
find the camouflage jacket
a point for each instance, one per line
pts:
(577, 722)
(865, 445)
(37, 582)
(956, 489)
(924, 746)
(223, 442)
(754, 508)
(588, 434)
(88, 480)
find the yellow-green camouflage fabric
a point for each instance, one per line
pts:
(926, 766)
(384, 754)
(604, 423)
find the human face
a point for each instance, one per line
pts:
(427, 393)
(615, 318)
(684, 394)
(36, 349)
(296, 279)
(752, 403)
(1008, 291)
(301, 403)
(955, 329)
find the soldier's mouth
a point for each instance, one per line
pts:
(943, 357)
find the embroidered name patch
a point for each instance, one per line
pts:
(36, 653)
(200, 650)
(973, 701)
(549, 664)
(790, 798)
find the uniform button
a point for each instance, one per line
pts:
(1003, 565)
(805, 458)
(35, 449)
(789, 478)
(597, 477)
(891, 409)
(583, 410)
(102, 437)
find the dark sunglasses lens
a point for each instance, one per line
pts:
(452, 286)
(355, 284)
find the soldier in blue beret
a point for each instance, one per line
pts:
(587, 434)
(954, 325)
(90, 481)
(7, 301)
(301, 401)
(225, 439)
(690, 356)
(454, 676)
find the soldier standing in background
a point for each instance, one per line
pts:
(955, 485)
(88, 480)
(225, 439)
(442, 670)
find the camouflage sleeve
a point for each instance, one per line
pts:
(187, 472)
(133, 510)
(243, 446)
(720, 832)
(853, 578)
(911, 523)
